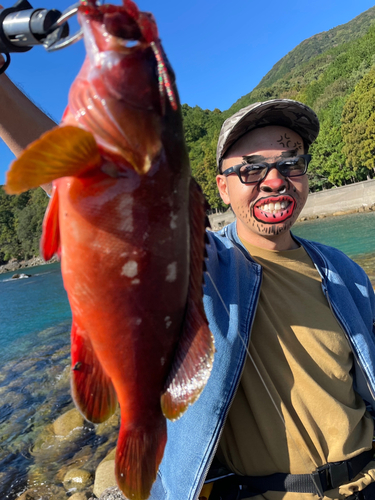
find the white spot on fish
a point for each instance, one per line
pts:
(173, 224)
(136, 281)
(137, 321)
(162, 361)
(171, 272)
(168, 321)
(130, 269)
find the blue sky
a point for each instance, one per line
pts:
(219, 49)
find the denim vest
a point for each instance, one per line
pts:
(231, 293)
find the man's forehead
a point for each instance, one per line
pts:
(268, 138)
(277, 155)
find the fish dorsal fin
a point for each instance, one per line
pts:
(92, 389)
(61, 152)
(194, 356)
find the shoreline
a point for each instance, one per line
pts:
(15, 265)
(337, 214)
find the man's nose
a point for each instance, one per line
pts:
(274, 182)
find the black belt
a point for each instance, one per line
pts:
(324, 478)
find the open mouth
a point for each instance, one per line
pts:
(274, 209)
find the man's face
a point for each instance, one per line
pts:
(265, 211)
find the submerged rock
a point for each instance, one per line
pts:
(77, 480)
(112, 493)
(79, 496)
(51, 492)
(105, 474)
(20, 276)
(70, 425)
(109, 426)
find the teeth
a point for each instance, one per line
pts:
(274, 207)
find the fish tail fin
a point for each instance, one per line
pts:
(138, 455)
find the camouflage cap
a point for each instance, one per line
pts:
(285, 112)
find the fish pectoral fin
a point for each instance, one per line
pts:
(61, 152)
(50, 241)
(138, 455)
(92, 389)
(195, 352)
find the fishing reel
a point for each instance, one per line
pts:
(22, 27)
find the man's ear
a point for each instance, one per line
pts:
(222, 185)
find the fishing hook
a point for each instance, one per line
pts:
(65, 16)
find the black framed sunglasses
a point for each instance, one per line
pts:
(252, 173)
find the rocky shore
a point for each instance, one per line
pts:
(15, 265)
(48, 451)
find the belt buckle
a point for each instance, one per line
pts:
(339, 474)
(335, 474)
(318, 474)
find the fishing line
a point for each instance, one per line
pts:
(267, 390)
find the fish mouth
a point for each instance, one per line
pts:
(274, 209)
(113, 26)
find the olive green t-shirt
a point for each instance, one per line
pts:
(305, 360)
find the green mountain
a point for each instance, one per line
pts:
(333, 72)
(317, 44)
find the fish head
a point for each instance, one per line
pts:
(125, 89)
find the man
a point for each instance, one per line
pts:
(293, 403)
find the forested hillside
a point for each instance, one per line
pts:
(333, 72)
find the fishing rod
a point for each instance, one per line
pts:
(22, 27)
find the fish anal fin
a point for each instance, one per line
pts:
(92, 389)
(193, 360)
(61, 152)
(138, 455)
(50, 241)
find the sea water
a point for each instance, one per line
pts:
(35, 323)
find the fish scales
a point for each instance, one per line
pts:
(127, 219)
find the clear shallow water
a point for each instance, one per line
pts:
(34, 365)
(28, 306)
(353, 234)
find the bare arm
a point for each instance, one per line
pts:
(21, 122)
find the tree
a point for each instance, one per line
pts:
(205, 174)
(29, 227)
(358, 127)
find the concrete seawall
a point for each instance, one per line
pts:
(342, 199)
(335, 201)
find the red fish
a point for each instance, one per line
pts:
(128, 221)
